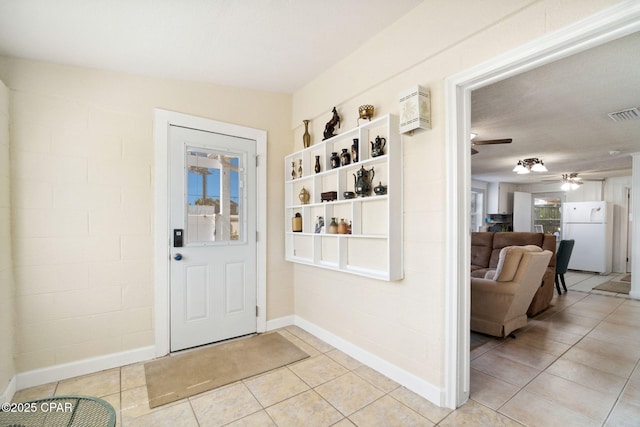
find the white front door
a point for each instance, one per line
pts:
(212, 221)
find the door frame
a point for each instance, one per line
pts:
(162, 236)
(612, 23)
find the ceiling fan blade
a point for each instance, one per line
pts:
(493, 141)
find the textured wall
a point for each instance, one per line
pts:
(82, 168)
(404, 322)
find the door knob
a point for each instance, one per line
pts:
(177, 257)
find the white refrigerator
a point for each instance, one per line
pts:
(590, 224)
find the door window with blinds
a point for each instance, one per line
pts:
(215, 197)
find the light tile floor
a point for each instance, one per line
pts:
(576, 364)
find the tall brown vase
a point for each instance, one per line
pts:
(306, 137)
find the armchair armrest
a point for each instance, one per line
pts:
(491, 300)
(490, 286)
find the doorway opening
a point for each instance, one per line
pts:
(605, 26)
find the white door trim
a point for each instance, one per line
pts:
(162, 238)
(609, 24)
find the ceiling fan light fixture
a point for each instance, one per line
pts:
(539, 167)
(527, 165)
(570, 181)
(519, 167)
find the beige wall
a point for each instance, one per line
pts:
(7, 368)
(82, 202)
(404, 322)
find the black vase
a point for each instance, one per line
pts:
(334, 160)
(317, 166)
(345, 157)
(354, 150)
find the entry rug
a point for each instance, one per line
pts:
(173, 378)
(617, 287)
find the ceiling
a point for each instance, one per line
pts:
(273, 45)
(558, 113)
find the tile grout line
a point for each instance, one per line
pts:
(498, 410)
(352, 371)
(566, 351)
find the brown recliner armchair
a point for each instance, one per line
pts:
(499, 301)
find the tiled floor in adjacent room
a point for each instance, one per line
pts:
(576, 364)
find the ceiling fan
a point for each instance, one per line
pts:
(475, 142)
(570, 181)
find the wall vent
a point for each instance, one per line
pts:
(622, 115)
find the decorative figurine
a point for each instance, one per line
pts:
(333, 227)
(345, 157)
(343, 228)
(377, 148)
(380, 189)
(334, 160)
(365, 112)
(306, 137)
(296, 223)
(362, 182)
(354, 150)
(328, 196)
(304, 196)
(331, 125)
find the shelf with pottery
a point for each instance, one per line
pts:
(372, 246)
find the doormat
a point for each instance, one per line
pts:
(617, 287)
(626, 278)
(173, 378)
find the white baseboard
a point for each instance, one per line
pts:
(407, 379)
(280, 322)
(9, 391)
(82, 367)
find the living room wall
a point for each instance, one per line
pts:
(7, 368)
(82, 159)
(403, 322)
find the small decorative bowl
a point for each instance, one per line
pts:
(365, 111)
(380, 189)
(349, 194)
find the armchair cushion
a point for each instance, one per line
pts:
(509, 261)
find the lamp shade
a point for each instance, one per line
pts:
(519, 167)
(539, 167)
